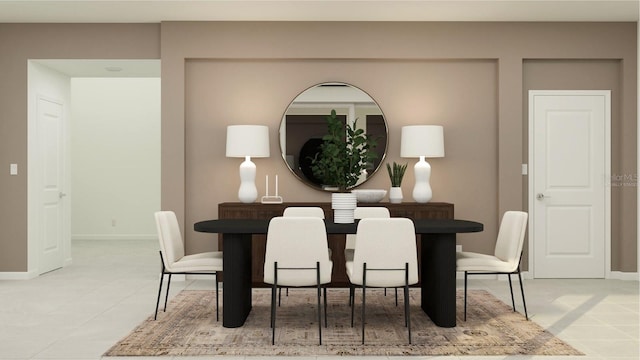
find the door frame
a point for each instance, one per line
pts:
(606, 180)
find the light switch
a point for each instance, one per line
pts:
(13, 169)
(525, 169)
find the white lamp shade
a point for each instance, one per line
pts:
(247, 140)
(422, 140)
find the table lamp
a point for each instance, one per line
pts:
(247, 141)
(422, 141)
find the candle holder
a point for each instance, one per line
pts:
(274, 199)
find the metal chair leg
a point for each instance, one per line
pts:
(273, 303)
(363, 310)
(396, 290)
(319, 303)
(526, 315)
(465, 295)
(325, 306)
(166, 298)
(352, 301)
(351, 293)
(155, 317)
(273, 315)
(364, 288)
(217, 290)
(407, 310)
(513, 303)
(319, 315)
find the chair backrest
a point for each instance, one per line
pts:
(171, 243)
(304, 211)
(511, 234)
(363, 212)
(297, 242)
(385, 244)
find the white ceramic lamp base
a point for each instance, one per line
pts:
(248, 192)
(422, 190)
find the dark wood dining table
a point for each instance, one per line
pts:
(438, 256)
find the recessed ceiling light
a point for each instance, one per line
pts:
(113, 68)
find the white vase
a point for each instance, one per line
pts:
(343, 205)
(395, 195)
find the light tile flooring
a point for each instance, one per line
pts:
(78, 312)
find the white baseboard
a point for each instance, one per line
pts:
(619, 275)
(18, 275)
(614, 275)
(111, 237)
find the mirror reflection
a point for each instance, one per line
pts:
(304, 124)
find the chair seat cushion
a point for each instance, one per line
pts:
(476, 262)
(202, 262)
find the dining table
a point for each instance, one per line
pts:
(438, 257)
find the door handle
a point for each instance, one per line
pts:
(61, 195)
(541, 196)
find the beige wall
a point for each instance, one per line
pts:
(18, 43)
(601, 74)
(469, 77)
(425, 91)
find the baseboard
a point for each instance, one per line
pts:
(111, 237)
(620, 275)
(18, 275)
(614, 275)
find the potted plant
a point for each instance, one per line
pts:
(344, 155)
(396, 173)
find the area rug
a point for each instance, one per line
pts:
(189, 328)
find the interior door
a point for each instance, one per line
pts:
(50, 133)
(569, 196)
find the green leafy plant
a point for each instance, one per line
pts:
(396, 173)
(344, 153)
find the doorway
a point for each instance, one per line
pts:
(109, 140)
(569, 195)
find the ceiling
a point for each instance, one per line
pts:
(155, 11)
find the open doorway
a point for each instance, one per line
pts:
(108, 151)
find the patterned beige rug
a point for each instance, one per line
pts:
(189, 328)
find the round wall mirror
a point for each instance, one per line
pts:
(304, 124)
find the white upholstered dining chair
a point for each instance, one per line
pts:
(302, 211)
(363, 212)
(385, 255)
(505, 259)
(174, 260)
(290, 262)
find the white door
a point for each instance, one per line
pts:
(569, 134)
(50, 135)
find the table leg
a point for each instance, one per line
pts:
(438, 276)
(236, 289)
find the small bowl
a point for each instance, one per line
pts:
(369, 195)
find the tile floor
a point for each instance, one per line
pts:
(78, 312)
